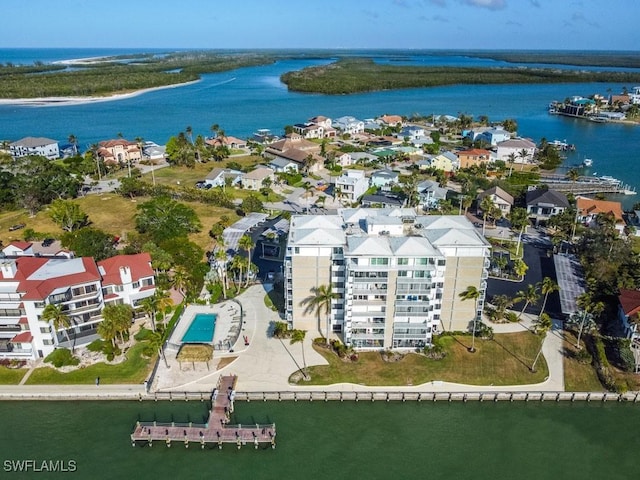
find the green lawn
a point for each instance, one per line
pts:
(11, 376)
(502, 361)
(578, 376)
(134, 369)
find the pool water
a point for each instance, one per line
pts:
(201, 329)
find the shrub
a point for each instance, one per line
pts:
(583, 356)
(143, 334)
(96, 346)
(215, 290)
(61, 357)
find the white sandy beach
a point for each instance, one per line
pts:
(66, 101)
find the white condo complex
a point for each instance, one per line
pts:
(398, 274)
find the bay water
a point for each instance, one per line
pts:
(334, 440)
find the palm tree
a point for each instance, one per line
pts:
(511, 159)
(320, 302)
(158, 302)
(520, 268)
(73, 140)
(530, 297)
(60, 320)
(547, 286)
(542, 326)
(246, 243)
(589, 310)
(472, 293)
(156, 341)
(519, 220)
(298, 336)
(107, 330)
(573, 175)
(180, 280)
(523, 154)
(221, 259)
(487, 206)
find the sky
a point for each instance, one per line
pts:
(349, 24)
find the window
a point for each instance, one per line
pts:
(296, 250)
(403, 261)
(403, 273)
(45, 329)
(379, 261)
(135, 284)
(441, 262)
(39, 304)
(47, 342)
(147, 282)
(337, 250)
(420, 274)
(421, 261)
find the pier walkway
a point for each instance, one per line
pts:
(585, 185)
(216, 431)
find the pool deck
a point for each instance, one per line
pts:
(228, 324)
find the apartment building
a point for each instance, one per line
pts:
(397, 275)
(80, 286)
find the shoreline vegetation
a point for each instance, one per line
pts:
(358, 75)
(91, 79)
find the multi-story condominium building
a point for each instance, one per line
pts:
(44, 147)
(80, 286)
(398, 275)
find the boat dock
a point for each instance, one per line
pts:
(216, 431)
(585, 185)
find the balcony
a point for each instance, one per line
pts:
(377, 325)
(367, 336)
(10, 328)
(368, 314)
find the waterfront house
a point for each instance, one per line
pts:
(78, 285)
(490, 135)
(473, 157)
(119, 152)
(351, 185)
(589, 209)
(628, 313)
(384, 179)
(349, 125)
(153, 152)
(542, 204)
(218, 177)
(255, 179)
(517, 146)
(39, 146)
(390, 120)
(226, 141)
(500, 199)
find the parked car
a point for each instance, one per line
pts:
(17, 226)
(47, 242)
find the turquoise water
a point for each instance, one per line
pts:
(201, 329)
(337, 440)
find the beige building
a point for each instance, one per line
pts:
(119, 151)
(398, 275)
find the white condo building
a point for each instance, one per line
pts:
(398, 274)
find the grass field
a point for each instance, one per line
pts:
(502, 361)
(11, 376)
(133, 370)
(578, 377)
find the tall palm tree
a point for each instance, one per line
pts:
(246, 243)
(487, 206)
(107, 329)
(547, 286)
(164, 302)
(73, 140)
(573, 175)
(530, 297)
(519, 221)
(319, 302)
(589, 309)
(511, 159)
(523, 154)
(180, 280)
(156, 341)
(221, 259)
(297, 336)
(543, 325)
(472, 293)
(60, 320)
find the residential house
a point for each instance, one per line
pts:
(309, 130)
(390, 120)
(351, 185)
(119, 152)
(226, 141)
(384, 179)
(517, 146)
(491, 135)
(78, 285)
(446, 161)
(343, 159)
(398, 275)
(412, 133)
(295, 147)
(628, 311)
(430, 194)
(324, 122)
(39, 146)
(473, 157)
(363, 157)
(18, 248)
(589, 209)
(255, 179)
(371, 124)
(542, 204)
(381, 200)
(348, 125)
(219, 177)
(500, 199)
(283, 165)
(153, 152)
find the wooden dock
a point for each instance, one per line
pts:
(217, 430)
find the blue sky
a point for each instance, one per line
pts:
(416, 24)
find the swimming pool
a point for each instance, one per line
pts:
(201, 329)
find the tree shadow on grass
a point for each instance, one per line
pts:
(512, 354)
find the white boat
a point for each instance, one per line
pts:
(587, 162)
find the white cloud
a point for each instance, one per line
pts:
(488, 4)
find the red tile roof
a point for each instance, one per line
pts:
(21, 245)
(23, 321)
(589, 206)
(140, 265)
(630, 301)
(24, 337)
